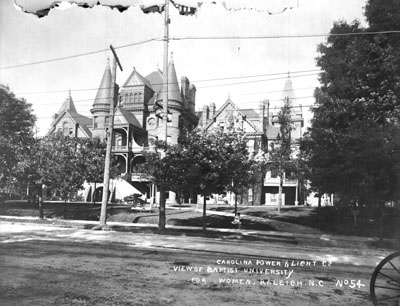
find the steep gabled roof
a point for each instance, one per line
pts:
(68, 105)
(250, 113)
(83, 122)
(136, 79)
(122, 116)
(229, 102)
(68, 110)
(156, 80)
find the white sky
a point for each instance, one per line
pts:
(25, 38)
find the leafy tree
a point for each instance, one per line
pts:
(243, 169)
(352, 146)
(60, 163)
(202, 163)
(93, 152)
(67, 164)
(280, 154)
(384, 17)
(31, 170)
(16, 131)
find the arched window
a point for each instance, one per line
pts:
(118, 138)
(65, 129)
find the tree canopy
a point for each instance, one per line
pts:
(203, 163)
(61, 163)
(352, 148)
(16, 131)
(280, 158)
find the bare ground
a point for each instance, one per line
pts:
(68, 270)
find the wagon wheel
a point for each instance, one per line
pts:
(385, 281)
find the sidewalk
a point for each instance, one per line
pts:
(295, 238)
(287, 229)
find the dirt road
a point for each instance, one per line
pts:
(42, 265)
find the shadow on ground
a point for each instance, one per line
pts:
(333, 220)
(216, 221)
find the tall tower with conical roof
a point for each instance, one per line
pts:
(296, 111)
(175, 104)
(101, 104)
(288, 92)
(174, 93)
(181, 104)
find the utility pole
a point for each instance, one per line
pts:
(161, 223)
(165, 69)
(106, 182)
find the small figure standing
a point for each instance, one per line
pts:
(237, 220)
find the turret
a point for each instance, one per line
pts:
(174, 94)
(101, 104)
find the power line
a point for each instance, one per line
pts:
(198, 81)
(107, 98)
(177, 38)
(244, 94)
(240, 109)
(257, 81)
(282, 36)
(259, 75)
(272, 91)
(79, 54)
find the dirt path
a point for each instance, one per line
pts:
(50, 266)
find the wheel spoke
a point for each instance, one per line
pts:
(389, 298)
(394, 267)
(389, 288)
(396, 281)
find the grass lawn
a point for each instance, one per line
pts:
(326, 219)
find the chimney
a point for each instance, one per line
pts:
(261, 115)
(266, 120)
(205, 117)
(212, 110)
(185, 87)
(192, 94)
(268, 105)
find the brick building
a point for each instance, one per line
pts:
(261, 128)
(136, 125)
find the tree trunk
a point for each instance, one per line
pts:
(161, 220)
(40, 201)
(94, 195)
(280, 193)
(204, 213)
(381, 222)
(65, 208)
(235, 204)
